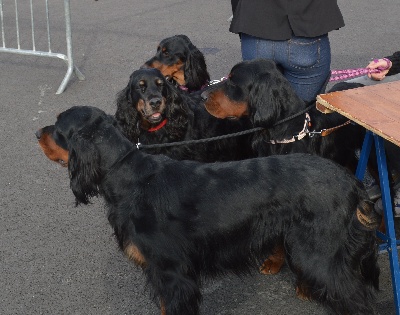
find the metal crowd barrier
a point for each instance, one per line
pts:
(33, 52)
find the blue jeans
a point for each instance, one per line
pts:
(305, 61)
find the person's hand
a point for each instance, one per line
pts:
(383, 65)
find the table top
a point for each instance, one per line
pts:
(375, 107)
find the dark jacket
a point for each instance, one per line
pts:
(281, 19)
(395, 59)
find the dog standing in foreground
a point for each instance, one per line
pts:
(183, 221)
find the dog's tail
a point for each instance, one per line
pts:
(360, 265)
(353, 274)
(370, 220)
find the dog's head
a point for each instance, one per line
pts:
(54, 139)
(76, 140)
(179, 60)
(148, 102)
(256, 88)
(147, 89)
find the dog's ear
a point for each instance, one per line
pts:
(262, 101)
(270, 94)
(176, 111)
(83, 167)
(127, 114)
(196, 74)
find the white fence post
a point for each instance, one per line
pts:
(68, 58)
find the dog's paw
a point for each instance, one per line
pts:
(301, 295)
(273, 264)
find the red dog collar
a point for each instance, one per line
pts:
(159, 126)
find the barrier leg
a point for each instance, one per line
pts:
(71, 67)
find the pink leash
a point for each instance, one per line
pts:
(351, 73)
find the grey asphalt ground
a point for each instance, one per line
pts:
(59, 259)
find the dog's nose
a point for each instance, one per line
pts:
(155, 102)
(38, 134)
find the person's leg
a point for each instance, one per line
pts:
(393, 155)
(393, 161)
(254, 47)
(306, 63)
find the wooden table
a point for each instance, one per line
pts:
(377, 108)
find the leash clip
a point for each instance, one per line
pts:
(212, 82)
(138, 145)
(311, 134)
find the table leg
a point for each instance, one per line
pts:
(364, 155)
(389, 238)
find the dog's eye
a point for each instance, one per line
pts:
(142, 85)
(232, 86)
(165, 53)
(230, 82)
(159, 82)
(62, 162)
(60, 140)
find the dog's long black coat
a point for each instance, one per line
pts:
(149, 100)
(182, 221)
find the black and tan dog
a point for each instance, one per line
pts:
(181, 62)
(150, 110)
(182, 221)
(258, 90)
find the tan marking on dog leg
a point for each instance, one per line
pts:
(301, 295)
(274, 263)
(134, 254)
(163, 311)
